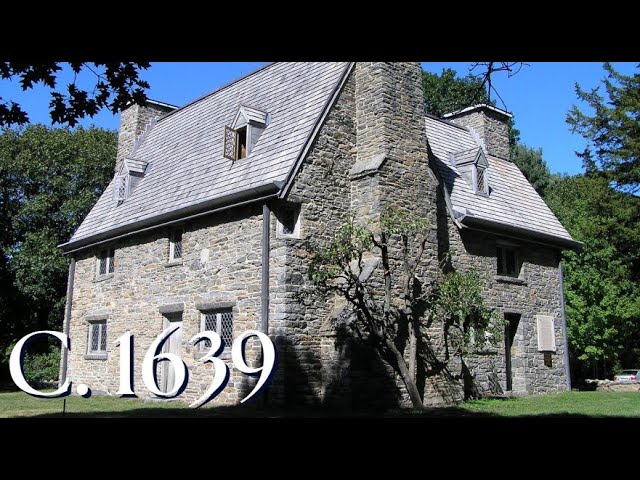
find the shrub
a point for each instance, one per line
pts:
(42, 367)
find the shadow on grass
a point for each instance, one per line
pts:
(6, 387)
(311, 413)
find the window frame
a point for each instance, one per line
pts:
(109, 260)
(203, 323)
(239, 136)
(122, 187)
(501, 258)
(103, 332)
(485, 179)
(175, 237)
(233, 135)
(297, 212)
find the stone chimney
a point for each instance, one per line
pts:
(391, 163)
(389, 108)
(133, 122)
(490, 123)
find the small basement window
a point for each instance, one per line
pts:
(175, 246)
(289, 222)
(97, 342)
(219, 321)
(106, 261)
(507, 262)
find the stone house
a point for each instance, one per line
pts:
(203, 223)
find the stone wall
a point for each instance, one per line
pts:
(491, 126)
(214, 270)
(378, 115)
(133, 122)
(535, 292)
(298, 321)
(378, 122)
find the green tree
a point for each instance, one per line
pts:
(601, 281)
(114, 85)
(50, 180)
(613, 131)
(448, 92)
(392, 314)
(533, 166)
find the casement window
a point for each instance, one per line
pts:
(129, 176)
(507, 259)
(106, 261)
(244, 132)
(235, 143)
(97, 341)
(121, 187)
(288, 222)
(219, 321)
(482, 183)
(175, 246)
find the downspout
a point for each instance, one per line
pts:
(67, 320)
(264, 287)
(567, 368)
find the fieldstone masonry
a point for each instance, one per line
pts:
(133, 122)
(371, 151)
(490, 124)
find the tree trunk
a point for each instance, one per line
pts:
(412, 350)
(406, 375)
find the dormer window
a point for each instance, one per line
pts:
(130, 174)
(474, 168)
(241, 137)
(242, 142)
(481, 179)
(121, 187)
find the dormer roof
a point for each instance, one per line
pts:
(249, 115)
(513, 208)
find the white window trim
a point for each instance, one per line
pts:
(102, 325)
(172, 246)
(122, 177)
(296, 228)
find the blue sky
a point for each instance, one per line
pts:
(539, 96)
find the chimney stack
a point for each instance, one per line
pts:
(133, 121)
(392, 167)
(490, 123)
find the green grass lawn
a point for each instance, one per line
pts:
(591, 404)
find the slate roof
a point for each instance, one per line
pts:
(184, 149)
(185, 171)
(513, 205)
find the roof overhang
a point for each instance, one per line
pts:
(261, 192)
(478, 223)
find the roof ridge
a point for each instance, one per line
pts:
(219, 89)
